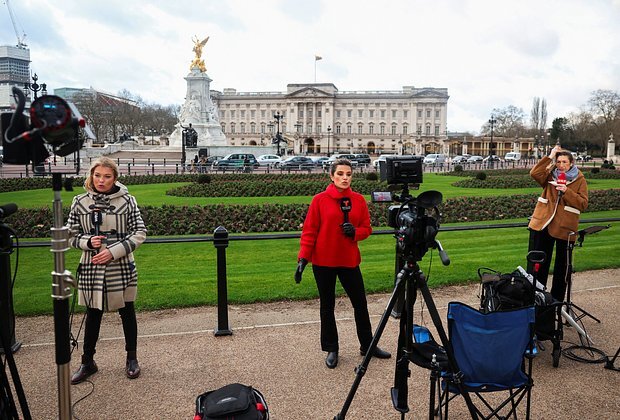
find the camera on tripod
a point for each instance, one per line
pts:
(52, 125)
(416, 219)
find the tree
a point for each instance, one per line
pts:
(509, 122)
(605, 109)
(562, 132)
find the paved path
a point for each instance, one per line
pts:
(275, 347)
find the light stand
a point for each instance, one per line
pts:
(62, 281)
(570, 314)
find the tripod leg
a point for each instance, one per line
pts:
(361, 369)
(610, 362)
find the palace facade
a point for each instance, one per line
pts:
(317, 118)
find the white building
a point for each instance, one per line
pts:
(14, 71)
(319, 119)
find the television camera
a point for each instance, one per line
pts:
(415, 219)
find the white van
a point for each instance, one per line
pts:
(512, 156)
(434, 159)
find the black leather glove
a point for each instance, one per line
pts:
(348, 229)
(300, 269)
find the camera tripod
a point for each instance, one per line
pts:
(409, 280)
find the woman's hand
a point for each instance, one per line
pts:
(103, 257)
(561, 188)
(555, 151)
(97, 241)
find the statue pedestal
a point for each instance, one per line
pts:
(199, 111)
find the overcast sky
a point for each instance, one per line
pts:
(488, 54)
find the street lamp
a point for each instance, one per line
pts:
(35, 87)
(329, 133)
(152, 131)
(278, 137)
(492, 121)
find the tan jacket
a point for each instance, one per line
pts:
(559, 216)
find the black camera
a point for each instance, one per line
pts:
(416, 219)
(54, 127)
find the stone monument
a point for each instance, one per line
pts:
(198, 109)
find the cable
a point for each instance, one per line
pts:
(74, 405)
(571, 353)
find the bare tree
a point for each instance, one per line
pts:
(605, 109)
(508, 122)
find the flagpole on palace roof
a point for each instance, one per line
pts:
(316, 58)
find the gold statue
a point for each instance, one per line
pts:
(198, 61)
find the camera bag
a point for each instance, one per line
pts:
(502, 292)
(234, 401)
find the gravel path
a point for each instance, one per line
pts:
(275, 347)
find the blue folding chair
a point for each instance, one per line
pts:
(491, 351)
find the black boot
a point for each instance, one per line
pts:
(83, 372)
(132, 368)
(332, 359)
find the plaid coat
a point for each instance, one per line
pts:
(107, 287)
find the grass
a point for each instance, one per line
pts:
(155, 194)
(184, 274)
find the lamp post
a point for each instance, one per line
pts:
(278, 137)
(329, 133)
(492, 121)
(152, 131)
(35, 87)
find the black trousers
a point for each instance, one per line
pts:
(353, 283)
(542, 241)
(93, 325)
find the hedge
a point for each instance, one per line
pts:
(184, 220)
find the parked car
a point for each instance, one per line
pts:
(512, 156)
(297, 162)
(459, 159)
(333, 158)
(434, 159)
(584, 158)
(318, 160)
(362, 159)
(492, 158)
(271, 161)
(380, 159)
(237, 160)
(474, 159)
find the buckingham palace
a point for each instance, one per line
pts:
(317, 118)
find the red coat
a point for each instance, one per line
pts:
(322, 241)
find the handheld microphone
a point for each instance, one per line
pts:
(8, 209)
(561, 181)
(345, 206)
(96, 219)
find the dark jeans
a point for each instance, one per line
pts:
(93, 325)
(542, 241)
(353, 283)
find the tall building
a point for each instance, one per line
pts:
(317, 118)
(14, 71)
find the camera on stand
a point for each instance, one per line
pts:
(416, 223)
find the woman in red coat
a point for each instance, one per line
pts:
(337, 219)
(556, 217)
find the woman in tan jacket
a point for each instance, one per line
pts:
(556, 217)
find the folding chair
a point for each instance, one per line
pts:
(489, 350)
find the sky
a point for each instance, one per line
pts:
(488, 54)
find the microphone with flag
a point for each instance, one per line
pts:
(561, 181)
(347, 228)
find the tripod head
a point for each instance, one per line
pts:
(589, 231)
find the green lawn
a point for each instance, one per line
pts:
(155, 194)
(184, 274)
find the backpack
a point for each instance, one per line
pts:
(502, 292)
(232, 402)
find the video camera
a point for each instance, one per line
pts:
(52, 125)
(416, 219)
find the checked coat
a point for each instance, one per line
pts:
(109, 286)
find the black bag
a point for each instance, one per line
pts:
(232, 402)
(502, 292)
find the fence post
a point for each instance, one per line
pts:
(220, 241)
